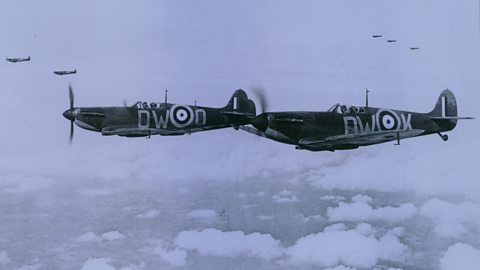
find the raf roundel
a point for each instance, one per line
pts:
(388, 120)
(181, 115)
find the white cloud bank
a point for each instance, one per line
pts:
(360, 210)
(352, 248)
(451, 220)
(213, 242)
(334, 247)
(460, 256)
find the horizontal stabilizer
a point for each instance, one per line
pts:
(451, 118)
(239, 114)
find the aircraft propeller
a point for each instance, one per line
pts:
(260, 121)
(69, 114)
(72, 101)
(262, 98)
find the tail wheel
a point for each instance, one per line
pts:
(443, 136)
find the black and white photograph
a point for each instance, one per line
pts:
(269, 135)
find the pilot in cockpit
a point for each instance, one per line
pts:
(145, 105)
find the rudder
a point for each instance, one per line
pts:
(446, 105)
(239, 110)
(239, 103)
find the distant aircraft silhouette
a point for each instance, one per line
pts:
(65, 72)
(15, 60)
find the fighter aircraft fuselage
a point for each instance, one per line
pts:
(345, 127)
(146, 119)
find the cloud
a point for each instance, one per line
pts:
(113, 235)
(334, 247)
(335, 227)
(4, 259)
(285, 197)
(88, 237)
(213, 242)
(97, 264)
(402, 170)
(150, 214)
(92, 237)
(31, 267)
(332, 198)
(140, 266)
(202, 213)
(312, 218)
(265, 217)
(460, 256)
(360, 210)
(97, 192)
(19, 183)
(340, 267)
(172, 255)
(451, 220)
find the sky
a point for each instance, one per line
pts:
(227, 199)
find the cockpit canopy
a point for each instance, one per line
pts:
(146, 105)
(346, 109)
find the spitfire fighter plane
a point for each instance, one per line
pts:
(349, 127)
(145, 119)
(15, 60)
(64, 72)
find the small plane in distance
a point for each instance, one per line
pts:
(349, 127)
(391, 40)
(15, 60)
(145, 119)
(414, 48)
(377, 36)
(65, 72)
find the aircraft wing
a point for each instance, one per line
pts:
(139, 132)
(253, 130)
(129, 131)
(360, 139)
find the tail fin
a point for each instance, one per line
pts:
(445, 111)
(446, 105)
(239, 109)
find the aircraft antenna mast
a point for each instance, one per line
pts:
(366, 97)
(166, 95)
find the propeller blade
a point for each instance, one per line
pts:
(262, 98)
(72, 97)
(71, 132)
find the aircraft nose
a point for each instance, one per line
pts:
(69, 114)
(260, 122)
